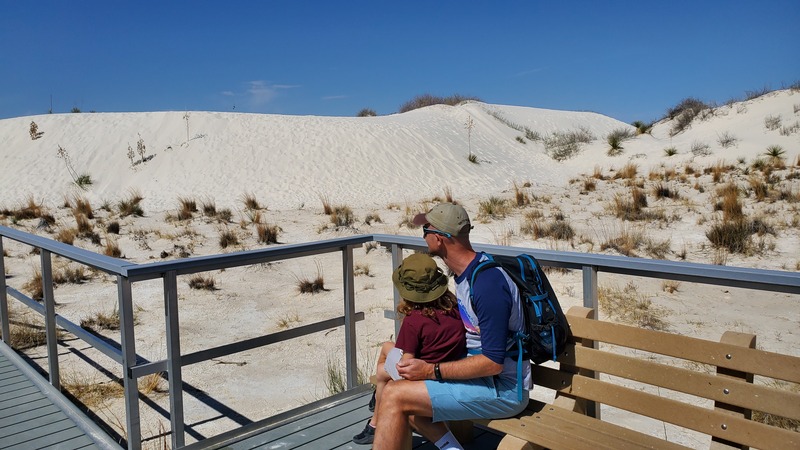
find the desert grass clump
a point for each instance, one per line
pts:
(250, 202)
(670, 286)
(629, 306)
(112, 248)
(267, 234)
(589, 185)
(102, 321)
(631, 208)
(311, 285)
(627, 172)
(113, 227)
(626, 242)
(729, 203)
(372, 217)
(187, 208)
(493, 207)
(227, 238)
(565, 145)
(758, 187)
(200, 282)
(775, 153)
(726, 139)
(80, 205)
(670, 151)
(342, 216)
(34, 286)
(130, 206)
(68, 274)
(67, 235)
(662, 190)
(615, 140)
(29, 210)
(25, 334)
(89, 392)
(521, 196)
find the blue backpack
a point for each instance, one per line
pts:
(546, 328)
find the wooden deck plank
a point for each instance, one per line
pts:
(49, 440)
(30, 411)
(9, 421)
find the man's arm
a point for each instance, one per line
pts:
(464, 369)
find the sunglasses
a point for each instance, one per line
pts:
(426, 231)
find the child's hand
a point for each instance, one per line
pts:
(415, 369)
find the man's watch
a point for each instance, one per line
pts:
(436, 372)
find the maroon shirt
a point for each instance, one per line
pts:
(433, 339)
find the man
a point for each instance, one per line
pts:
(483, 385)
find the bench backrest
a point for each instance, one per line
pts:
(718, 374)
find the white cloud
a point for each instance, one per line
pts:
(261, 92)
(334, 97)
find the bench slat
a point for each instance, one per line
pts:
(746, 395)
(759, 362)
(557, 428)
(704, 420)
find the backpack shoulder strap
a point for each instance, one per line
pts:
(483, 265)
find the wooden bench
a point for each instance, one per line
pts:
(692, 383)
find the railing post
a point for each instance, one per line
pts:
(50, 319)
(174, 358)
(590, 288)
(348, 282)
(132, 418)
(4, 327)
(590, 301)
(397, 258)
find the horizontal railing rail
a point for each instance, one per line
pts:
(127, 273)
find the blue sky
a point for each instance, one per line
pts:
(625, 59)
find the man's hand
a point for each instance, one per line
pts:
(415, 369)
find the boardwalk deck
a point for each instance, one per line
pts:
(33, 415)
(327, 424)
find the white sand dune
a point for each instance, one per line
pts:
(388, 166)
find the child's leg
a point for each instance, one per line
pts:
(382, 377)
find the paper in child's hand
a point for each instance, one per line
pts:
(391, 363)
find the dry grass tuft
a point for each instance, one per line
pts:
(250, 202)
(101, 321)
(629, 306)
(130, 206)
(67, 235)
(312, 286)
(82, 206)
(627, 172)
(521, 195)
(670, 286)
(493, 207)
(267, 234)
(112, 248)
(227, 238)
(202, 283)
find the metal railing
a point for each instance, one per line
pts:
(126, 273)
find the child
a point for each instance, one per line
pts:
(431, 330)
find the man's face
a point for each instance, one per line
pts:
(433, 238)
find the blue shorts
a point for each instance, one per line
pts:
(479, 398)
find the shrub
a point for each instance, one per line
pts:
(311, 286)
(564, 145)
(733, 236)
(67, 235)
(102, 321)
(642, 127)
(372, 217)
(424, 100)
(83, 180)
(342, 216)
(627, 172)
(663, 191)
(615, 139)
(82, 206)
(725, 139)
(700, 148)
(366, 112)
(684, 113)
(34, 286)
(34, 131)
(772, 123)
(473, 158)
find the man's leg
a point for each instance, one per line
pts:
(401, 400)
(382, 377)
